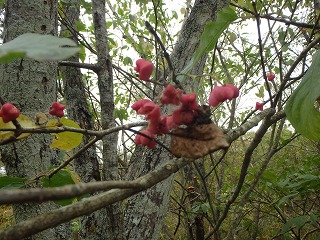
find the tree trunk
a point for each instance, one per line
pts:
(86, 165)
(144, 212)
(110, 223)
(31, 86)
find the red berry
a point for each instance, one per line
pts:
(147, 108)
(144, 68)
(154, 114)
(9, 112)
(189, 101)
(220, 94)
(170, 123)
(170, 95)
(234, 89)
(138, 104)
(213, 101)
(56, 109)
(183, 117)
(259, 106)
(139, 62)
(146, 141)
(228, 93)
(159, 126)
(270, 76)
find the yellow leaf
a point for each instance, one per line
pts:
(41, 118)
(24, 121)
(65, 140)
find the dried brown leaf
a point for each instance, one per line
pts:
(197, 141)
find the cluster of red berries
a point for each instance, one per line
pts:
(9, 112)
(159, 123)
(185, 113)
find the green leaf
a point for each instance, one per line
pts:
(286, 198)
(121, 114)
(306, 182)
(65, 140)
(127, 61)
(210, 36)
(260, 94)
(300, 108)
(61, 178)
(38, 47)
(298, 222)
(7, 182)
(81, 27)
(82, 53)
(314, 219)
(2, 2)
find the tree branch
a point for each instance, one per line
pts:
(245, 165)
(52, 129)
(59, 193)
(89, 66)
(288, 22)
(123, 189)
(165, 53)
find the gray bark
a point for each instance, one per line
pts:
(144, 212)
(86, 165)
(110, 223)
(31, 86)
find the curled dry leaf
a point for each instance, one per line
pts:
(197, 141)
(41, 118)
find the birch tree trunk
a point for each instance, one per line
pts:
(145, 212)
(31, 86)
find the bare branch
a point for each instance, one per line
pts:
(89, 66)
(91, 204)
(283, 20)
(246, 161)
(58, 193)
(99, 134)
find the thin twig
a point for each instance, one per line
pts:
(261, 54)
(165, 53)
